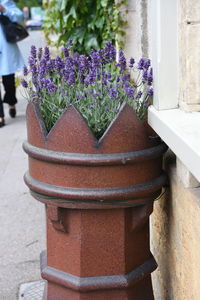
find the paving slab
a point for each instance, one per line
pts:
(22, 219)
(32, 290)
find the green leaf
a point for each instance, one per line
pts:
(63, 5)
(104, 3)
(100, 22)
(91, 42)
(72, 12)
(79, 34)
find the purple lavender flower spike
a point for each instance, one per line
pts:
(33, 51)
(147, 64)
(44, 82)
(150, 80)
(108, 44)
(46, 53)
(106, 55)
(104, 81)
(25, 71)
(35, 81)
(91, 77)
(113, 53)
(42, 67)
(106, 108)
(140, 64)
(95, 58)
(50, 65)
(76, 60)
(40, 51)
(126, 77)
(150, 91)
(109, 52)
(72, 78)
(83, 62)
(47, 83)
(126, 84)
(59, 64)
(52, 87)
(129, 92)
(34, 71)
(150, 77)
(122, 61)
(95, 95)
(65, 52)
(113, 93)
(91, 106)
(31, 62)
(145, 75)
(69, 67)
(131, 62)
(65, 75)
(24, 83)
(139, 95)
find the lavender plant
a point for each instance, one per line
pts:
(96, 85)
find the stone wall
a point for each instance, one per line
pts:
(175, 239)
(136, 40)
(189, 53)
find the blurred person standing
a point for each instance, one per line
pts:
(11, 60)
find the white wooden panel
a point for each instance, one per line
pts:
(164, 23)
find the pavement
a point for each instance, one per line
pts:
(22, 218)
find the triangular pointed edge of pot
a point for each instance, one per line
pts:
(123, 107)
(77, 136)
(123, 131)
(36, 130)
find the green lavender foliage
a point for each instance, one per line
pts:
(97, 85)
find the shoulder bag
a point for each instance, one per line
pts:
(14, 32)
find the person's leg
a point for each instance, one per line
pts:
(10, 93)
(10, 89)
(1, 107)
(1, 112)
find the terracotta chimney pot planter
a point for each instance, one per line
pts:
(98, 195)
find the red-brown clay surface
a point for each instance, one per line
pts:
(98, 195)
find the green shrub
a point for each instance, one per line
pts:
(88, 23)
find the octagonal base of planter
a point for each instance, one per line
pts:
(98, 254)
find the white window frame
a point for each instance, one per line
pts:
(179, 129)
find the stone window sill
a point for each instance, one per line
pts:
(180, 130)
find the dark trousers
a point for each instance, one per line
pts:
(10, 92)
